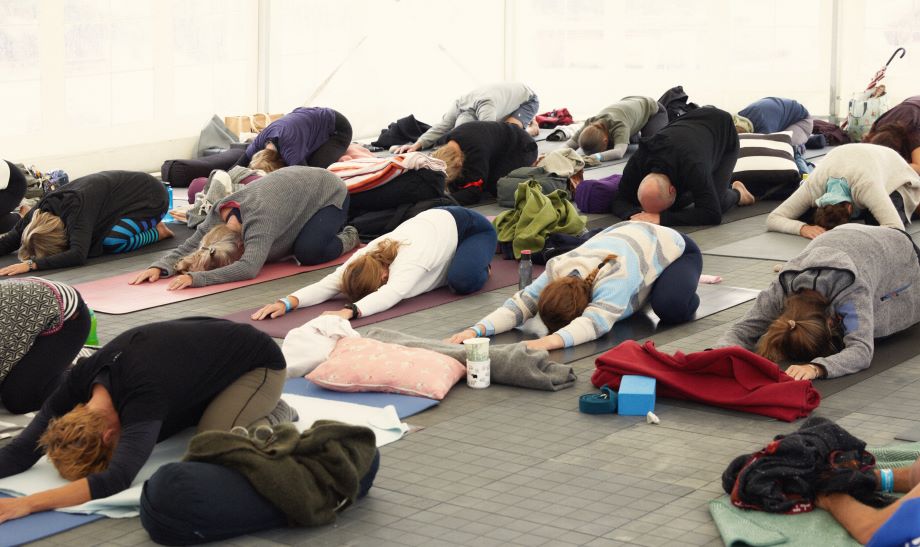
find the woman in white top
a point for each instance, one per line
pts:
(853, 181)
(450, 246)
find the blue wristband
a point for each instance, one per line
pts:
(476, 329)
(287, 304)
(887, 479)
(598, 157)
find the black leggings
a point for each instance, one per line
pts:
(673, 297)
(335, 147)
(35, 377)
(317, 242)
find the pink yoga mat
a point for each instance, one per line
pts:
(117, 296)
(504, 274)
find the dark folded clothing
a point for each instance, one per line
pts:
(787, 475)
(402, 131)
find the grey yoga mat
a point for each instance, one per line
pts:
(713, 299)
(774, 246)
(889, 352)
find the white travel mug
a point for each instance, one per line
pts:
(478, 365)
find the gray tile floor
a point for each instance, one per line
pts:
(507, 466)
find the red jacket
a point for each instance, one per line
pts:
(731, 377)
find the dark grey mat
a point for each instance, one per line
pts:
(774, 246)
(889, 352)
(181, 231)
(817, 153)
(735, 214)
(713, 298)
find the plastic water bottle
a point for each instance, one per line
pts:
(169, 191)
(93, 338)
(525, 270)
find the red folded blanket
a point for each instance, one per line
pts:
(731, 377)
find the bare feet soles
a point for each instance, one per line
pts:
(747, 198)
(163, 232)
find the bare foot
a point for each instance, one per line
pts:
(747, 198)
(163, 232)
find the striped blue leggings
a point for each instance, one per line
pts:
(130, 234)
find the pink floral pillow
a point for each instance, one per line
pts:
(363, 364)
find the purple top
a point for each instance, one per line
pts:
(297, 135)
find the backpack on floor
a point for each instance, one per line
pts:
(595, 196)
(551, 119)
(507, 185)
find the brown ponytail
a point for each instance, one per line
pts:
(564, 299)
(802, 332)
(365, 274)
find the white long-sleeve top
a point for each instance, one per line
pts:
(872, 172)
(428, 244)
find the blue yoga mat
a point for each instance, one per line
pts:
(406, 405)
(40, 525)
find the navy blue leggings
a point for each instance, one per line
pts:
(673, 297)
(476, 241)
(316, 243)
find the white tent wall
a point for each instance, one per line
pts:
(585, 54)
(109, 84)
(382, 60)
(102, 84)
(870, 32)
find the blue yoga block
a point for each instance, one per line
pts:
(636, 396)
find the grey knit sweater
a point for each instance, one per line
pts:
(871, 276)
(273, 211)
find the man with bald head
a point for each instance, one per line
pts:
(689, 161)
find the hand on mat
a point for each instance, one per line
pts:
(811, 231)
(15, 269)
(271, 311)
(804, 372)
(150, 274)
(654, 218)
(404, 148)
(180, 282)
(458, 338)
(13, 508)
(344, 314)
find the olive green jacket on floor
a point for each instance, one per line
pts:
(535, 216)
(308, 476)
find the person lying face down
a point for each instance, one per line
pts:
(295, 210)
(850, 285)
(688, 161)
(899, 129)
(103, 213)
(853, 181)
(100, 425)
(896, 524)
(311, 136)
(510, 102)
(582, 293)
(774, 114)
(477, 154)
(450, 246)
(606, 136)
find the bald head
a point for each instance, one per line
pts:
(656, 193)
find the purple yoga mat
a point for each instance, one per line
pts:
(504, 274)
